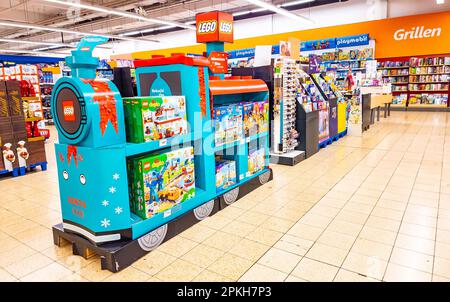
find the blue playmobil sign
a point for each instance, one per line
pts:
(249, 52)
(318, 44)
(353, 41)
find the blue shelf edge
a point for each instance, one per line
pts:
(132, 149)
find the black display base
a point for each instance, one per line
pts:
(289, 159)
(118, 255)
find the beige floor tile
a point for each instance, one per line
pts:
(239, 228)
(347, 276)
(179, 270)
(28, 265)
(441, 267)
(202, 255)
(280, 260)
(277, 224)
(249, 249)
(215, 222)
(415, 244)
(412, 259)
(305, 231)
(294, 244)
(398, 273)
(338, 240)
(372, 249)
(437, 278)
(50, 273)
(378, 235)
(154, 262)
(327, 254)
(6, 277)
(417, 218)
(222, 241)
(15, 255)
(387, 213)
(418, 230)
(316, 220)
(177, 246)
(73, 278)
(94, 272)
(261, 273)
(129, 274)
(383, 223)
(198, 233)
(312, 270)
(344, 227)
(373, 267)
(264, 236)
(292, 278)
(208, 276)
(442, 250)
(231, 266)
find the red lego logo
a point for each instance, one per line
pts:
(68, 111)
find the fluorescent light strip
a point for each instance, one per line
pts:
(241, 13)
(280, 11)
(36, 43)
(32, 52)
(67, 31)
(296, 3)
(112, 11)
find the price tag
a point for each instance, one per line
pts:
(247, 139)
(241, 176)
(248, 174)
(167, 213)
(163, 142)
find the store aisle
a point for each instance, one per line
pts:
(370, 209)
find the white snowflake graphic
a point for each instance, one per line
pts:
(116, 176)
(118, 210)
(112, 190)
(105, 203)
(105, 223)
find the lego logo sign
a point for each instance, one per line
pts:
(214, 27)
(68, 111)
(207, 27)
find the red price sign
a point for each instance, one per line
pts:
(218, 62)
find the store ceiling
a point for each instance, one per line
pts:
(46, 13)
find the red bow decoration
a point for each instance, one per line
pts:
(72, 152)
(106, 102)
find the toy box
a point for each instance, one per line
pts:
(154, 118)
(256, 160)
(159, 182)
(249, 119)
(227, 124)
(262, 116)
(225, 174)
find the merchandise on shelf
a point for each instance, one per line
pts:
(154, 118)
(400, 99)
(255, 117)
(225, 174)
(161, 181)
(256, 160)
(228, 124)
(428, 99)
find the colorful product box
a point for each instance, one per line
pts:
(250, 120)
(256, 160)
(227, 124)
(262, 116)
(225, 174)
(154, 118)
(159, 182)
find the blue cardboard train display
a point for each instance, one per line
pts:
(114, 190)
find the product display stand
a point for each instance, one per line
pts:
(140, 191)
(309, 138)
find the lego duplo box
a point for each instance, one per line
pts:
(154, 118)
(161, 181)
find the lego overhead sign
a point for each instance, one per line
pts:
(214, 27)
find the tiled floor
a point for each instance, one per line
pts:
(375, 208)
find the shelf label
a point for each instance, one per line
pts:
(248, 174)
(241, 176)
(167, 213)
(247, 140)
(163, 142)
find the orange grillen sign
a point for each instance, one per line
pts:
(214, 27)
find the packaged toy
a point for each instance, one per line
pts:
(228, 124)
(262, 116)
(154, 118)
(161, 181)
(249, 119)
(256, 160)
(225, 174)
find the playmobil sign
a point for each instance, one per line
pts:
(418, 32)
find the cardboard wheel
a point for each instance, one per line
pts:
(264, 178)
(231, 196)
(204, 210)
(153, 239)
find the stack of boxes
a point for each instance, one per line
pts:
(13, 130)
